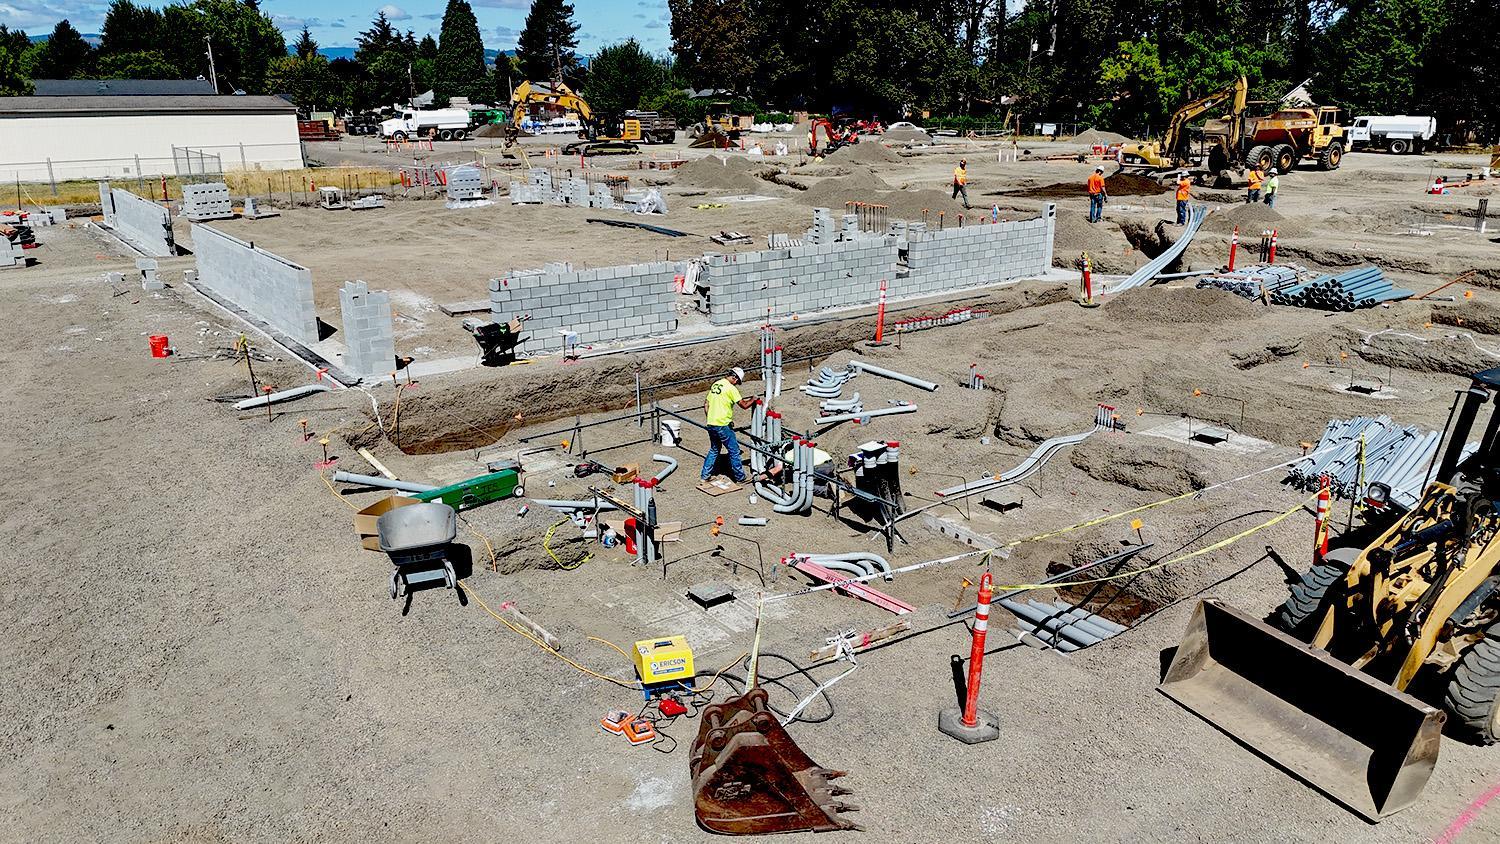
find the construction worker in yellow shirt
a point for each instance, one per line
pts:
(961, 181)
(718, 406)
(1184, 193)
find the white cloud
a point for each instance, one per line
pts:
(394, 12)
(38, 18)
(503, 4)
(505, 33)
(655, 24)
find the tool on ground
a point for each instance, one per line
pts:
(750, 778)
(663, 665)
(1322, 689)
(639, 731)
(614, 721)
(466, 495)
(417, 538)
(497, 340)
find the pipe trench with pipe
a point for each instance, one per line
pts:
(381, 482)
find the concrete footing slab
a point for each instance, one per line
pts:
(951, 723)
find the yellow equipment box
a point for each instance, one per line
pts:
(664, 660)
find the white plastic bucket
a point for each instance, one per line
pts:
(671, 432)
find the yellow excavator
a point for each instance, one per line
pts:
(1350, 682)
(1175, 149)
(600, 136)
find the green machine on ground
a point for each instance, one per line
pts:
(504, 481)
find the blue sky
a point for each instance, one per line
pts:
(335, 23)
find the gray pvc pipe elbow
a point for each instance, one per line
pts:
(893, 375)
(381, 482)
(667, 470)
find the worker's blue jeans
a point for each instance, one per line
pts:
(1182, 212)
(1252, 196)
(1271, 199)
(1096, 207)
(722, 436)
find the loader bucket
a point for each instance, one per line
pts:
(1349, 735)
(750, 778)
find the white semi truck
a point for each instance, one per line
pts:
(444, 124)
(1398, 133)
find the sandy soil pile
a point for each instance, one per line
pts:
(862, 185)
(719, 173)
(1110, 252)
(907, 136)
(1251, 218)
(1161, 306)
(1099, 136)
(865, 152)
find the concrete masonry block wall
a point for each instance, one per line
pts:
(974, 255)
(263, 283)
(144, 224)
(741, 287)
(369, 336)
(612, 303)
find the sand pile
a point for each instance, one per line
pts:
(1251, 218)
(1099, 136)
(1161, 306)
(906, 136)
(714, 172)
(864, 152)
(1109, 250)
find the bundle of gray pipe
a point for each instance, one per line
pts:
(770, 362)
(833, 407)
(829, 382)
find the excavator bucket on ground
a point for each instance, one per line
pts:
(1347, 734)
(750, 778)
(711, 139)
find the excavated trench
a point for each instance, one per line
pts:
(490, 404)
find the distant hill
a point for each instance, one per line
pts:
(93, 38)
(332, 53)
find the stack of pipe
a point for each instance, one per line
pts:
(877, 470)
(1399, 456)
(1249, 282)
(1358, 288)
(1060, 625)
(853, 563)
(829, 383)
(833, 407)
(976, 381)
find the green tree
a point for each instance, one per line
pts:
(63, 55)
(129, 28)
(460, 68)
(306, 80)
(427, 48)
(621, 76)
(306, 47)
(135, 64)
(15, 40)
(12, 83)
(717, 42)
(1381, 46)
(379, 38)
(547, 41)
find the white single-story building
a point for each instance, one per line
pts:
(98, 137)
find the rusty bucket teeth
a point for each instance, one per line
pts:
(751, 778)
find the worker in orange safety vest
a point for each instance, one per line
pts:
(1184, 193)
(1097, 195)
(1256, 177)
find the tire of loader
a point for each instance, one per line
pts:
(1351, 736)
(1303, 609)
(1259, 156)
(751, 778)
(1473, 695)
(1286, 158)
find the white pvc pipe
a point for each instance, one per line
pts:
(382, 483)
(281, 396)
(851, 417)
(667, 470)
(893, 375)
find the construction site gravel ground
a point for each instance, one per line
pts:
(200, 651)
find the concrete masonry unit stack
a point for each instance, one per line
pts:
(602, 305)
(265, 284)
(465, 183)
(369, 336)
(207, 201)
(140, 222)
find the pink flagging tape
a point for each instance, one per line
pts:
(858, 590)
(1467, 816)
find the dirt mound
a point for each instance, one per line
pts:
(1154, 466)
(722, 173)
(1161, 306)
(1252, 218)
(1120, 184)
(907, 136)
(1099, 136)
(1108, 248)
(490, 130)
(862, 185)
(864, 152)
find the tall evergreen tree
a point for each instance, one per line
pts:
(12, 82)
(548, 39)
(64, 55)
(427, 48)
(129, 28)
(306, 47)
(460, 66)
(15, 40)
(380, 37)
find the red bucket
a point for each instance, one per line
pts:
(159, 346)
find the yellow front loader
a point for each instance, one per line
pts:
(1349, 683)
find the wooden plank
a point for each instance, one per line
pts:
(456, 308)
(858, 590)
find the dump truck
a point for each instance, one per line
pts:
(1349, 683)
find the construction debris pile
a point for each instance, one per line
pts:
(1356, 453)
(1291, 285)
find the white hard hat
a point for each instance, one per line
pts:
(738, 373)
(1098, 169)
(1275, 172)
